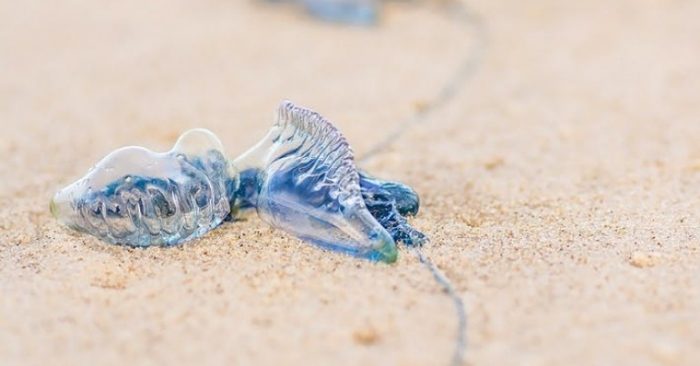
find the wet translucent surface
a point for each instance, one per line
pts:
(300, 178)
(138, 197)
(307, 184)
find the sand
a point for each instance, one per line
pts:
(560, 187)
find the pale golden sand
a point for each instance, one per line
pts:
(561, 187)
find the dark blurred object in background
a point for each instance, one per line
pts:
(360, 12)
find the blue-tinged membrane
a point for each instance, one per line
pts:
(301, 178)
(140, 198)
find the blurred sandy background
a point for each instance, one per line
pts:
(561, 187)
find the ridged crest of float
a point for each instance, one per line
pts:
(308, 185)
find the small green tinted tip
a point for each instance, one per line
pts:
(53, 208)
(387, 253)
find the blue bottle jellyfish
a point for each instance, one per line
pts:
(305, 182)
(138, 197)
(301, 178)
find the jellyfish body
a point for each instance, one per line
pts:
(307, 184)
(300, 178)
(138, 197)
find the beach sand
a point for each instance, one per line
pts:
(560, 187)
